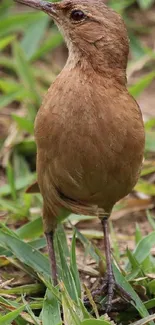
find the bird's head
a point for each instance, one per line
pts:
(90, 28)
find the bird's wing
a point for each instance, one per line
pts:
(33, 188)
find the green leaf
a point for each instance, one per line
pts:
(32, 229)
(143, 248)
(8, 205)
(138, 52)
(7, 302)
(142, 84)
(49, 44)
(11, 180)
(73, 266)
(8, 318)
(148, 170)
(84, 311)
(25, 289)
(138, 235)
(142, 254)
(151, 219)
(51, 310)
(25, 73)
(65, 273)
(142, 267)
(21, 167)
(119, 5)
(150, 141)
(17, 22)
(150, 304)
(133, 274)
(27, 147)
(54, 290)
(23, 123)
(38, 243)
(133, 261)
(7, 63)
(60, 232)
(71, 311)
(145, 187)
(89, 248)
(5, 5)
(20, 183)
(25, 253)
(35, 319)
(150, 124)
(151, 287)
(145, 320)
(33, 36)
(127, 287)
(6, 41)
(15, 95)
(95, 322)
(8, 85)
(145, 4)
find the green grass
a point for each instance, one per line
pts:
(27, 40)
(32, 261)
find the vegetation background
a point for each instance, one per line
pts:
(32, 53)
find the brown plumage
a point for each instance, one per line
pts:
(89, 130)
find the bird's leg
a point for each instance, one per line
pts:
(49, 223)
(110, 280)
(109, 284)
(52, 257)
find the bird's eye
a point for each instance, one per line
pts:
(77, 15)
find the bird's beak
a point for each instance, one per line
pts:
(48, 7)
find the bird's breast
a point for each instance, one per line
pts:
(90, 141)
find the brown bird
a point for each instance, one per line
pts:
(89, 130)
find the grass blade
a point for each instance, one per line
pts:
(51, 310)
(8, 318)
(23, 123)
(140, 86)
(143, 248)
(33, 36)
(145, 320)
(25, 253)
(95, 322)
(73, 266)
(25, 73)
(20, 183)
(66, 274)
(127, 287)
(11, 180)
(31, 230)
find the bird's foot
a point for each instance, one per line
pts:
(109, 286)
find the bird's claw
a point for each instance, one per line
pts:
(109, 285)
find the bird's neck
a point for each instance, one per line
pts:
(96, 62)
